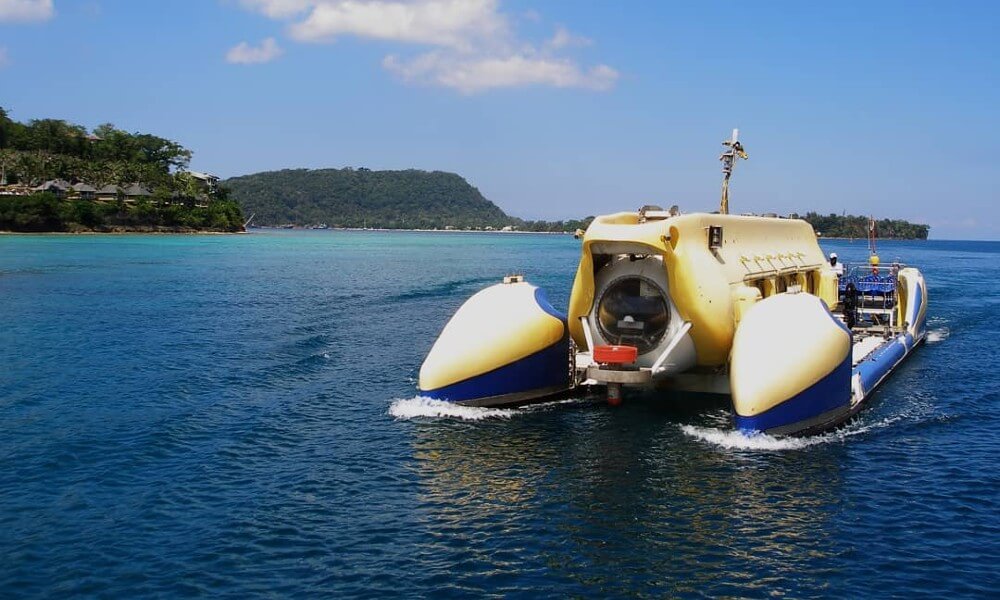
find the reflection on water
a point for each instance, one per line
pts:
(623, 500)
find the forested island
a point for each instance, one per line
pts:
(349, 197)
(413, 199)
(852, 226)
(59, 177)
(356, 198)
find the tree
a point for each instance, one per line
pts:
(8, 158)
(161, 152)
(6, 126)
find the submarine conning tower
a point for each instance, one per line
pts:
(694, 276)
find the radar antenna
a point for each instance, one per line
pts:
(728, 158)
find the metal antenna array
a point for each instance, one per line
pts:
(728, 158)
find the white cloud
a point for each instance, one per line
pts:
(26, 10)
(477, 49)
(245, 54)
(476, 74)
(453, 23)
(564, 39)
(475, 45)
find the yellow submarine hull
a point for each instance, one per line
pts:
(743, 304)
(711, 287)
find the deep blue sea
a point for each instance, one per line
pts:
(237, 416)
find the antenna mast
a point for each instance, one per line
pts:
(728, 158)
(872, 234)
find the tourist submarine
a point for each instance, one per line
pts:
(708, 303)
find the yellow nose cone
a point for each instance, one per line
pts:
(783, 346)
(496, 327)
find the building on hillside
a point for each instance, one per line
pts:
(199, 201)
(59, 187)
(136, 192)
(110, 193)
(84, 191)
(208, 180)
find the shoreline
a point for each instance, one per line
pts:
(127, 232)
(407, 230)
(864, 240)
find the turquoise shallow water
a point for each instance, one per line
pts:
(235, 416)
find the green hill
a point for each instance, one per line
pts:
(853, 226)
(349, 197)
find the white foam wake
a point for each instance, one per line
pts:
(420, 407)
(734, 440)
(731, 439)
(938, 335)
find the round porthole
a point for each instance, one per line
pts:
(633, 311)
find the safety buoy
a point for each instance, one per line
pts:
(615, 355)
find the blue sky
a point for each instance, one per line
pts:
(553, 110)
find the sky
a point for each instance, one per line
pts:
(553, 110)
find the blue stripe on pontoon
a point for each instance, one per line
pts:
(546, 368)
(917, 301)
(542, 299)
(875, 367)
(830, 392)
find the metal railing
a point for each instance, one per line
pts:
(881, 279)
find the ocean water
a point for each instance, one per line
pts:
(237, 416)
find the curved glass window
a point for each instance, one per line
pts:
(633, 311)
